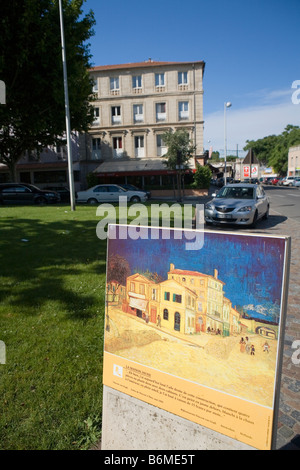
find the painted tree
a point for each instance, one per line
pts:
(31, 67)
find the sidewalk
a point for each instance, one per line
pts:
(289, 411)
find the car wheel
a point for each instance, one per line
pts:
(254, 220)
(92, 201)
(266, 215)
(40, 201)
(135, 199)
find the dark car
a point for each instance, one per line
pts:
(23, 193)
(131, 187)
(63, 191)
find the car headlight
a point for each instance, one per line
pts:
(245, 209)
(209, 206)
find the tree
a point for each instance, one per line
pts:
(202, 177)
(273, 150)
(31, 67)
(180, 151)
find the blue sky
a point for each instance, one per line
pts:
(250, 47)
(252, 269)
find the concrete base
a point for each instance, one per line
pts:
(131, 424)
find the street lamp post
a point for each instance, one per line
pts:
(226, 105)
(68, 125)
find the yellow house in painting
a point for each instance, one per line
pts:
(187, 302)
(177, 307)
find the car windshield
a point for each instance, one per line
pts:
(236, 192)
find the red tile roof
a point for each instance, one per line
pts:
(147, 63)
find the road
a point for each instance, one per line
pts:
(284, 201)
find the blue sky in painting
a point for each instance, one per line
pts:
(251, 267)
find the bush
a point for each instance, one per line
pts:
(202, 177)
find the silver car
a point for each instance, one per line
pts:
(109, 193)
(239, 204)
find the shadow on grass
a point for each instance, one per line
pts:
(51, 261)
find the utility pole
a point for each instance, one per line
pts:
(67, 110)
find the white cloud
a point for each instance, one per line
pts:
(251, 123)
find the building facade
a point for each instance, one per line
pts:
(135, 104)
(294, 161)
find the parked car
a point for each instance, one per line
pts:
(251, 181)
(269, 179)
(220, 181)
(23, 193)
(238, 204)
(288, 181)
(275, 181)
(63, 191)
(109, 193)
(296, 181)
(131, 187)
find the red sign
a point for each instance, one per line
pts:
(246, 171)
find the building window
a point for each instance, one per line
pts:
(166, 314)
(161, 114)
(117, 147)
(139, 146)
(41, 177)
(116, 114)
(114, 86)
(96, 148)
(182, 78)
(96, 121)
(137, 82)
(167, 295)
(132, 287)
(138, 113)
(154, 294)
(95, 85)
(183, 110)
(142, 289)
(159, 79)
(161, 146)
(177, 298)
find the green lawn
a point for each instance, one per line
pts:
(52, 299)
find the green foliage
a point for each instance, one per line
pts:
(180, 149)
(31, 67)
(202, 177)
(273, 150)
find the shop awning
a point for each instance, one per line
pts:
(138, 303)
(134, 167)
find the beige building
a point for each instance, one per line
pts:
(294, 161)
(134, 105)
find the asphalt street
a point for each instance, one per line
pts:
(285, 200)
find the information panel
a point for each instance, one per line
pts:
(199, 333)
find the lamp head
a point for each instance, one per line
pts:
(228, 104)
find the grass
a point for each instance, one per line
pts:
(52, 298)
(52, 295)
